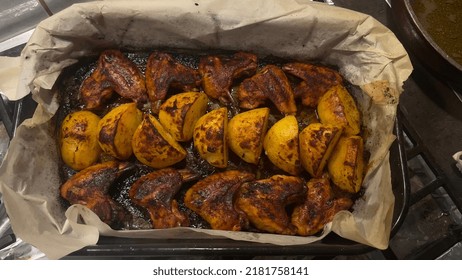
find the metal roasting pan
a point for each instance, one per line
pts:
(331, 245)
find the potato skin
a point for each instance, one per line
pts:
(116, 130)
(246, 132)
(154, 146)
(209, 137)
(337, 107)
(179, 113)
(78, 139)
(346, 164)
(281, 145)
(316, 144)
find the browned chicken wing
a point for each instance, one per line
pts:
(265, 201)
(125, 77)
(163, 72)
(319, 207)
(316, 80)
(90, 186)
(114, 71)
(213, 199)
(155, 192)
(96, 90)
(218, 73)
(270, 83)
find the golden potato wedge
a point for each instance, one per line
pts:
(78, 139)
(281, 145)
(316, 144)
(154, 146)
(346, 164)
(209, 137)
(116, 130)
(246, 132)
(337, 107)
(179, 113)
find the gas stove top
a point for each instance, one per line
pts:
(430, 118)
(432, 121)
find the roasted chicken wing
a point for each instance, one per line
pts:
(265, 201)
(155, 192)
(163, 72)
(316, 80)
(96, 90)
(213, 199)
(114, 71)
(219, 71)
(90, 187)
(270, 83)
(319, 207)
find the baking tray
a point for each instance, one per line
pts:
(109, 247)
(331, 245)
(211, 248)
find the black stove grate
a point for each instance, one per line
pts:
(433, 225)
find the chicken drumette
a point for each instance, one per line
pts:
(319, 207)
(90, 187)
(219, 71)
(155, 192)
(316, 80)
(265, 201)
(213, 199)
(96, 90)
(163, 72)
(114, 72)
(270, 83)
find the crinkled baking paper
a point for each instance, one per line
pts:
(367, 53)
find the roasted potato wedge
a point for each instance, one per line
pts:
(209, 137)
(316, 144)
(116, 130)
(246, 132)
(179, 113)
(337, 107)
(346, 164)
(281, 145)
(154, 146)
(78, 139)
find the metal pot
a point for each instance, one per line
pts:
(419, 42)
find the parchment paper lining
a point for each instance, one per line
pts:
(365, 51)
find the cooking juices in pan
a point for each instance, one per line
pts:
(292, 133)
(442, 19)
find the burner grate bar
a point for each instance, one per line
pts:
(439, 188)
(432, 250)
(414, 151)
(427, 190)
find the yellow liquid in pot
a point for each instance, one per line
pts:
(442, 19)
